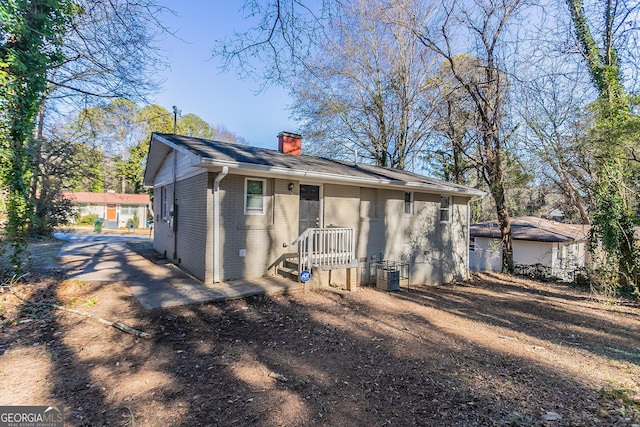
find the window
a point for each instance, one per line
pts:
(408, 203)
(128, 209)
(254, 190)
(472, 244)
(164, 203)
(445, 208)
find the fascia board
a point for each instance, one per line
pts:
(237, 168)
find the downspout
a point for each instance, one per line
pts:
(174, 218)
(468, 266)
(216, 223)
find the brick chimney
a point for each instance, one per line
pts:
(290, 143)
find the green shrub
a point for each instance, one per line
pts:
(87, 219)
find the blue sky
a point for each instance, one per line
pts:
(193, 82)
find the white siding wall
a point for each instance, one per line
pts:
(569, 257)
(123, 218)
(561, 258)
(185, 167)
(487, 255)
(92, 209)
(531, 253)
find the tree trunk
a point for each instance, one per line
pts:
(495, 175)
(505, 230)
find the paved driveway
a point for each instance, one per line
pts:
(107, 258)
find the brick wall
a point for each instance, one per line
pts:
(252, 242)
(193, 197)
(435, 251)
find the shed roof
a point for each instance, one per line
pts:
(107, 198)
(216, 154)
(533, 229)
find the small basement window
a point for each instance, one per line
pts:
(445, 208)
(254, 191)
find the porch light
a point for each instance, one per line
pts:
(290, 186)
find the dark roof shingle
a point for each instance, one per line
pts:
(244, 155)
(534, 229)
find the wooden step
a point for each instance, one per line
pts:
(291, 263)
(287, 272)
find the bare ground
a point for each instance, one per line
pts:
(494, 351)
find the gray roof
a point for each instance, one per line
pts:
(216, 154)
(533, 229)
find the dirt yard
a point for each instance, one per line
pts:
(496, 351)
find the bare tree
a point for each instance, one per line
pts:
(486, 25)
(455, 124)
(110, 51)
(366, 88)
(281, 36)
(551, 107)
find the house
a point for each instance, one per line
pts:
(541, 247)
(228, 211)
(117, 210)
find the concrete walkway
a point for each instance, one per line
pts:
(108, 258)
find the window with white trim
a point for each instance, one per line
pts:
(445, 208)
(254, 192)
(408, 203)
(128, 209)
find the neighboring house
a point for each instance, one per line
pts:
(115, 209)
(540, 247)
(229, 211)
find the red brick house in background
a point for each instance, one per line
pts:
(115, 209)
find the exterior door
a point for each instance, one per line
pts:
(309, 207)
(111, 212)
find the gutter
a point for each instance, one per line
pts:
(276, 172)
(216, 223)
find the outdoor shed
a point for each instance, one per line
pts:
(116, 209)
(228, 211)
(541, 247)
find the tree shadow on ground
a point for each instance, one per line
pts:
(317, 358)
(563, 316)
